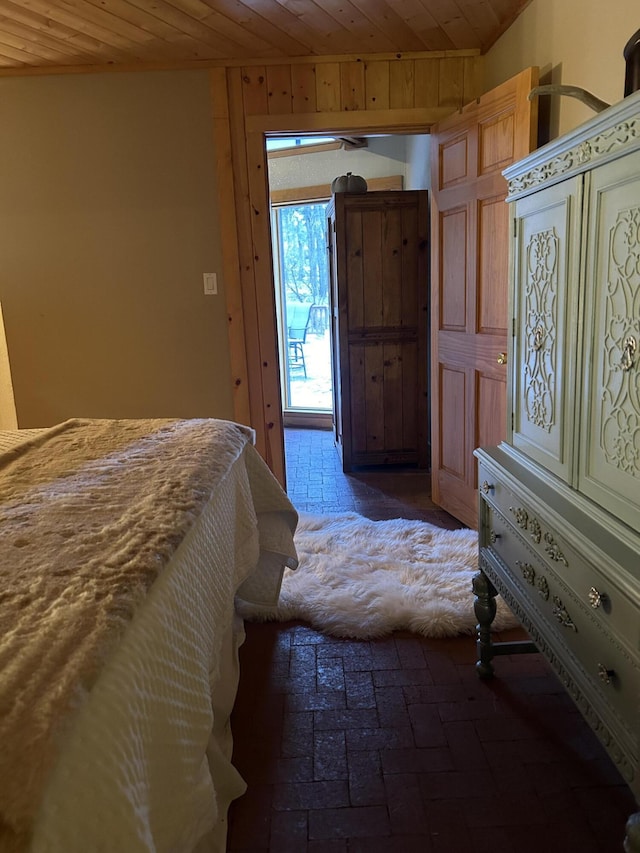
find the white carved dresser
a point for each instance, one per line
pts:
(560, 498)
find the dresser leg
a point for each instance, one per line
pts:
(484, 607)
(632, 837)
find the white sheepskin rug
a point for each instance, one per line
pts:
(362, 579)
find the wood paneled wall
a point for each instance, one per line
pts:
(354, 84)
(355, 95)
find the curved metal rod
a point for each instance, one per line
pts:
(573, 92)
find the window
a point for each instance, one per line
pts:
(302, 288)
(278, 144)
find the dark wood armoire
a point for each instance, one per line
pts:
(378, 243)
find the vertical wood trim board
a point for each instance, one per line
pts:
(245, 299)
(229, 235)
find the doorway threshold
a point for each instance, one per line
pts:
(309, 419)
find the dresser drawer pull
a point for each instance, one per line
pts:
(596, 598)
(562, 615)
(493, 537)
(605, 674)
(487, 487)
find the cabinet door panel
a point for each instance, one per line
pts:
(453, 250)
(380, 276)
(492, 289)
(545, 317)
(453, 390)
(610, 463)
(492, 399)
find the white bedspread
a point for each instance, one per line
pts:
(143, 762)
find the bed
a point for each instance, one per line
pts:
(124, 547)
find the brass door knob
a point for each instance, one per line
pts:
(502, 358)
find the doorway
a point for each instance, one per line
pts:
(300, 172)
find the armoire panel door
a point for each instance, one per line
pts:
(610, 459)
(545, 312)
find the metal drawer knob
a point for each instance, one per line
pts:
(605, 674)
(596, 598)
(487, 487)
(502, 358)
(493, 537)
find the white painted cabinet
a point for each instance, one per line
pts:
(560, 498)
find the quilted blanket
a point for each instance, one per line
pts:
(90, 511)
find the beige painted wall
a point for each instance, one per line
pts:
(107, 221)
(574, 42)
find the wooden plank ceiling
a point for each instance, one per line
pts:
(47, 34)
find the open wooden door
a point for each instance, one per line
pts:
(469, 282)
(379, 309)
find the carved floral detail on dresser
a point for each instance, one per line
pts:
(539, 581)
(587, 151)
(528, 572)
(551, 548)
(521, 516)
(540, 309)
(543, 587)
(562, 614)
(527, 522)
(620, 399)
(535, 530)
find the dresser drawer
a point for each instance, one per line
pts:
(589, 584)
(612, 667)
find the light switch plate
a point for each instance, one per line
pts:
(210, 280)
